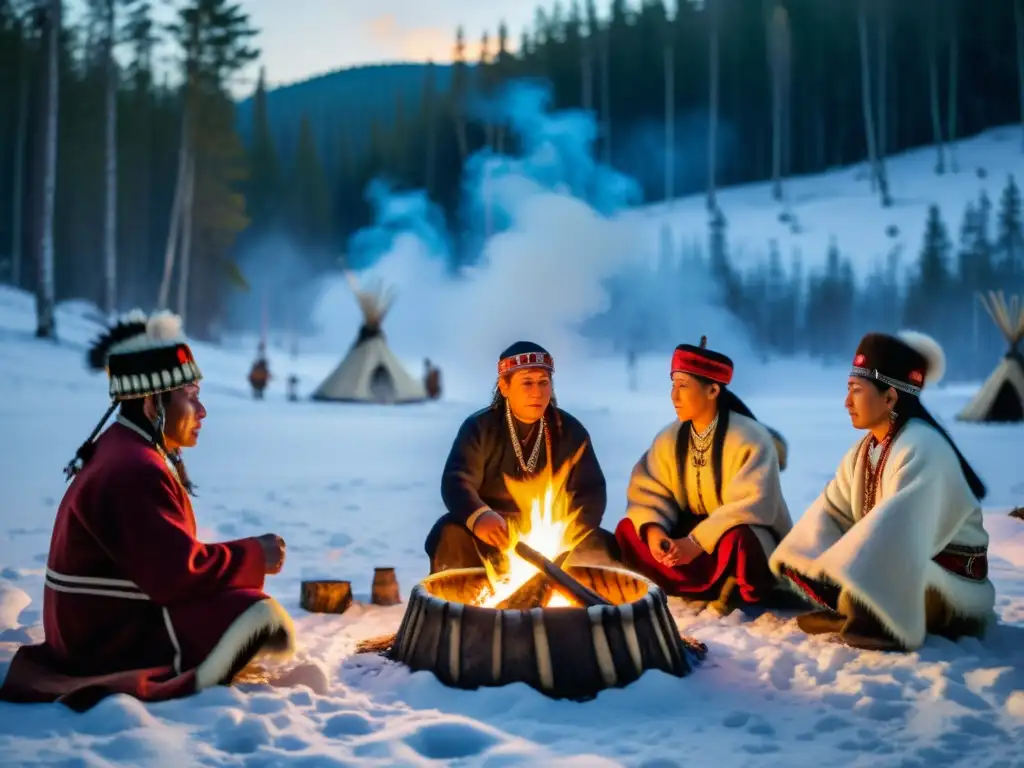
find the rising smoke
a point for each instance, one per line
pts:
(555, 260)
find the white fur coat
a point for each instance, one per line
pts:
(751, 489)
(884, 559)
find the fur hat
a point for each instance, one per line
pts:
(907, 361)
(144, 355)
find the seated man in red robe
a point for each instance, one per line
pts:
(705, 507)
(133, 602)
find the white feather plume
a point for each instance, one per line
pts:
(163, 329)
(930, 350)
(164, 326)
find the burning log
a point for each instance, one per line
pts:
(534, 593)
(560, 580)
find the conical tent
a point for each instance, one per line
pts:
(1001, 397)
(370, 372)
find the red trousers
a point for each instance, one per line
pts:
(739, 554)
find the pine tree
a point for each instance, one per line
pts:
(310, 198)
(835, 308)
(930, 290)
(967, 267)
(215, 38)
(263, 189)
(1010, 235)
(718, 261)
(779, 333)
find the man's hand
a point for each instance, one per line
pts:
(672, 552)
(273, 552)
(491, 529)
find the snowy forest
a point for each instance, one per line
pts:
(125, 180)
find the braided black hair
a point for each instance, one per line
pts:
(133, 411)
(910, 407)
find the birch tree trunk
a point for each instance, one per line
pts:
(877, 163)
(587, 78)
(45, 294)
(712, 10)
(933, 87)
(18, 198)
(670, 121)
(186, 235)
(174, 229)
(883, 84)
(606, 96)
(1018, 17)
(954, 74)
(778, 55)
(110, 210)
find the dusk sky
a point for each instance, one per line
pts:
(301, 38)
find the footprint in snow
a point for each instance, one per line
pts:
(348, 724)
(736, 719)
(876, 709)
(830, 724)
(450, 741)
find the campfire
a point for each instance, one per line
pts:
(568, 632)
(549, 528)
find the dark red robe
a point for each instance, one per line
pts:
(133, 602)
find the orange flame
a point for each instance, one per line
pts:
(547, 522)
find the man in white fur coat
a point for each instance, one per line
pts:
(895, 546)
(133, 602)
(705, 506)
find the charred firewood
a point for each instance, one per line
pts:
(560, 580)
(533, 594)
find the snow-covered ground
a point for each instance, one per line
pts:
(351, 488)
(840, 204)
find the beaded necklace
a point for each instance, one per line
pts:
(873, 477)
(700, 444)
(528, 466)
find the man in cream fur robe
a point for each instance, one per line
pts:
(705, 506)
(895, 546)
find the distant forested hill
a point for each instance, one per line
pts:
(351, 99)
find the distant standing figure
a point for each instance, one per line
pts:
(432, 380)
(631, 368)
(259, 374)
(293, 388)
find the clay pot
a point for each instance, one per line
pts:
(385, 587)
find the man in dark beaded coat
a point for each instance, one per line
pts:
(522, 433)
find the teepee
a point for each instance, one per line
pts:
(1001, 397)
(370, 372)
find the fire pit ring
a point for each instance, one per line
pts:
(563, 652)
